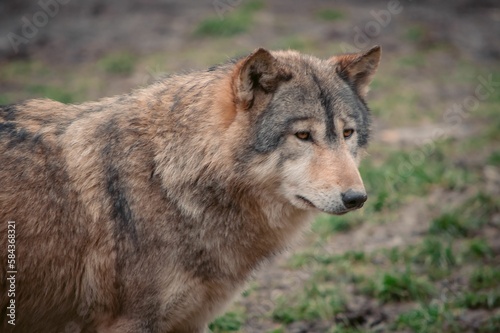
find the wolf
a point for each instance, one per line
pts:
(147, 212)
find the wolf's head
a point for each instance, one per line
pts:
(307, 124)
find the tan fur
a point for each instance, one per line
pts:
(360, 67)
(147, 212)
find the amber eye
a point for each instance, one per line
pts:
(348, 132)
(305, 136)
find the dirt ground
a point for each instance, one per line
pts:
(433, 52)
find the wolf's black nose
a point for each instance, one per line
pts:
(353, 199)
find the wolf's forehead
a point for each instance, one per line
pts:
(322, 88)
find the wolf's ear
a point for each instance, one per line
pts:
(259, 72)
(358, 68)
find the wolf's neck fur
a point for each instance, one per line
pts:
(234, 205)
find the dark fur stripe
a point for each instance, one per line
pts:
(13, 134)
(326, 103)
(8, 128)
(121, 212)
(8, 112)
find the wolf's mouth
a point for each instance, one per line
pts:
(307, 202)
(310, 204)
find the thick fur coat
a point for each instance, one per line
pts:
(147, 212)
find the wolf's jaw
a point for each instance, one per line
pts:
(306, 201)
(309, 204)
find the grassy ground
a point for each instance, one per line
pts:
(423, 255)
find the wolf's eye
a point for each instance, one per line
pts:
(304, 136)
(348, 132)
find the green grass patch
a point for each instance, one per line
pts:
(326, 225)
(347, 329)
(404, 102)
(300, 260)
(4, 99)
(491, 325)
(483, 300)
(251, 287)
(494, 158)
(324, 259)
(118, 63)
(437, 256)
(484, 202)
(314, 302)
(277, 330)
(413, 172)
(23, 68)
(396, 254)
(329, 15)
(484, 277)
(391, 285)
(479, 207)
(355, 256)
(229, 322)
(478, 249)
(415, 34)
(51, 92)
(414, 60)
(232, 23)
(426, 318)
(294, 43)
(403, 287)
(450, 224)
(467, 219)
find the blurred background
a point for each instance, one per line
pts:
(423, 255)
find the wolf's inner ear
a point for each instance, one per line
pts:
(358, 68)
(259, 72)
